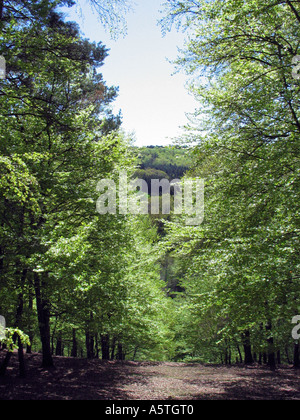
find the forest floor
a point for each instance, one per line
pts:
(81, 379)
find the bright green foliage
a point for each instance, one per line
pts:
(9, 341)
(111, 284)
(114, 286)
(68, 274)
(242, 265)
(174, 161)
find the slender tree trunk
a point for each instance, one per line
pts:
(271, 355)
(22, 366)
(30, 326)
(92, 346)
(260, 358)
(286, 349)
(227, 353)
(278, 354)
(89, 339)
(270, 341)
(113, 348)
(87, 344)
(18, 324)
(44, 324)
(97, 346)
(74, 344)
(265, 358)
(16, 338)
(240, 354)
(1, 9)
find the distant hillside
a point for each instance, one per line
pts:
(163, 162)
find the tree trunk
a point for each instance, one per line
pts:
(113, 348)
(135, 353)
(271, 353)
(1, 9)
(89, 339)
(89, 343)
(96, 346)
(22, 367)
(227, 354)
(120, 354)
(44, 324)
(260, 358)
(16, 338)
(105, 346)
(74, 344)
(247, 348)
(287, 355)
(59, 349)
(240, 354)
(92, 346)
(265, 358)
(30, 324)
(5, 363)
(278, 357)
(271, 356)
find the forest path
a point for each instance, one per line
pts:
(81, 379)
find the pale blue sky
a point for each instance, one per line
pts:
(152, 100)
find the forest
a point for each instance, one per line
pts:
(81, 284)
(174, 162)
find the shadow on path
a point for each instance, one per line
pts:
(81, 379)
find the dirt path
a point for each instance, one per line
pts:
(77, 379)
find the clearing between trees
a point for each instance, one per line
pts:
(82, 379)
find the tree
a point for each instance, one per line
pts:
(57, 139)
(83, 275)
(243, 260)
(112, 14)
